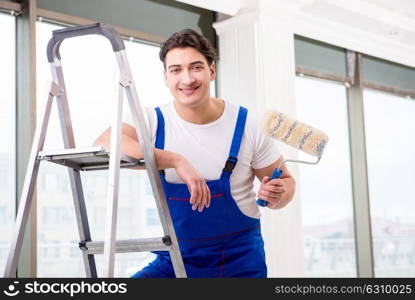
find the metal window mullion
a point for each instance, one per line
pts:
(361, 205)
(25, 124)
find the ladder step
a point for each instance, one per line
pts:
(86, 159)
(132, 245)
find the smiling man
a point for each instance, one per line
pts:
(209, 151)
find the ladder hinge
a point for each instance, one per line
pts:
(166, 240)
(82, 245)
(55, 90)
(125, 80)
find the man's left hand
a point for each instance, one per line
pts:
(274, 192)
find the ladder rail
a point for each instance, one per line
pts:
(28, 189)
(113, 187)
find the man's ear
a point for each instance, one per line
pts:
(212, 70)
(165, 77)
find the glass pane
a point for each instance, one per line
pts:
(7, 134)
(325, 189)
(91, 77)
(390, 127)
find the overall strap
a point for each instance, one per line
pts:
(160, 129)
(236, 140)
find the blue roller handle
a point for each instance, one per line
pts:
(275, 175)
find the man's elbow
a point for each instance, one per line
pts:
(290, 186)
(293, 186)
(104, 139)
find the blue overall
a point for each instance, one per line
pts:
(220, 241)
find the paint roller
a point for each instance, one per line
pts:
(296, 134)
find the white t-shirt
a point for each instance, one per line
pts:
(207, 148)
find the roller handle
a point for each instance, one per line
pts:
(275, 175)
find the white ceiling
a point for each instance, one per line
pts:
(404, 7)
(382, 28)
(393, 19)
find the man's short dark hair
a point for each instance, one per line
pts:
(188, 38)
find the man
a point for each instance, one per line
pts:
(210, 151)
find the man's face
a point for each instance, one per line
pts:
(188, 76)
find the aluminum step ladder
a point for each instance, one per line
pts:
(95, 158)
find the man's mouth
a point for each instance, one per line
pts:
(189, 91)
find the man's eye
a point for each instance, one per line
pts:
(174, 70)
(197, 67)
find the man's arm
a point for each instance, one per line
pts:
(278, 192)
(131, 147)
(200, 193)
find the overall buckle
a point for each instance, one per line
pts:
(230, 164)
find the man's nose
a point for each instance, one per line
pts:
(187, 78)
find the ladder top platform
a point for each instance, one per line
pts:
(86, 159)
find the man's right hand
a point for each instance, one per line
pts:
(199, 191)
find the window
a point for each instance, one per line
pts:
(152, 217)
(3, 215)
(99, 216)
(124, 217)
(74, 250)
(7, 133)
(50, 215)
(325, 189)
(390, 127)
